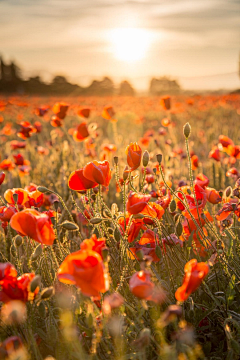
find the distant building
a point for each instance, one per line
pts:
(164, 85)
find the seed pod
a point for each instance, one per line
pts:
(44, 190)
(36, 281)
(18, 240)
(187, 130)
(176, 217)
(15, 198)
(105, 253)
(47, 293)
(115, 159)
(159, 158)
(95, 221)
(37, 252)
(93, 197)
(42, 310)
(69, 225)
(173, 206)
(145, 158)
(179, 228)
(189, 191)
(228, 191)
(117, 235)
(56, 204)
(158, 251)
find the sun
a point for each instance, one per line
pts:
(130, 44)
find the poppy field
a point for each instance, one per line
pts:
(120, 227)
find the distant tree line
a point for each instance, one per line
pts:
(11, 82)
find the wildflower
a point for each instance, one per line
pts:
(7, 164)
(94, 244)
(34, 224)
(140, 285)
(60, 110)
(56, 121)
(166, 102)
(78, 182)
(134, 154)
(137, 202)
(26, 130)
(84, 112)
(81, 133)
(213, 196)
(2, 177)
(215, 154)
(98, 172)
(194, 161)
(135, 227)
(85, 269)
(108, 113)
(18, 144)
(202, 180)
(194, 275)
(22, 196)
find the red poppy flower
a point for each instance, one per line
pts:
(137, 202)
(22, 196)
(7, 164)
(202, 180)
(135, 227)
(215, 153)
(166, 102)
(85, 269)
(108, 113)
(201, 198)
(56, 121)
(213, 196)
(26, 130)
(224, 212)
(194, 275)
(94, 244)
(2, 177)
(194, 161)
(18, 144)
(153, 210)
(98, 172)
(60, 110)
(36, 225)
(84, 112)
(78, 182)
(225, 141)
(134, 154)
(6, 212)
(41, 111)
(18, 159)
(233, 173)
(141, 286)
(38, 126)
(81, 133)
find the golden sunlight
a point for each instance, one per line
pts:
(130, 44)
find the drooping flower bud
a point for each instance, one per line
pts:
(187, 130)
(159, 158)
(145, 158)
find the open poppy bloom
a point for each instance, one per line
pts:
(22, 196)
(98, 172)
(225, 141)
(56, 121)
(7, 164)
(94, 244)
(153, 210)
(78, 182)
(201, 200)
(60, 110)
(34, 224)
(26, 130)
(164, 201)
(38, 126)
(215, 153)
(147, 244)
(81, 133)
(213, 196)
(194, 161)
(135, 227)
(141, 286)
(6, 212)
(41, 111)
(18, 144)
(137, 202)
(35, 198)
(194, 275)
(224, 212)
(85, 269)
(13, 287)
(2, 177)
(201, 180)
(84, 112)
(233, 173)
(134, 154)
(108, 113)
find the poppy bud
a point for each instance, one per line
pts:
(138, 216)
(15, 198)
(47, 293)
(117, 235)
(187, 130)
(179, 228)
(105, 253)
(158, 251)
(155, 170)
(115, 159)
(228, 191)
(145, 158)
(159, 158)
(93, 197)
(69, 226)
(2, 177)
(139, 254)
(36, 281)
(56, 203)
(189, 191)
(172, 206)
(18, 240)
(44, 190)
(125, 173)
(95, 221)
(37, 252)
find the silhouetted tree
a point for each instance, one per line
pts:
(164, 85)
(126, 89)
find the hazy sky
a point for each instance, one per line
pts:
(137, 39)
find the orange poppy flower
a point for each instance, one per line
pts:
(35, 198)
(215, 153)
(18, 144)
(26, 130)
(233, 173)
(60, 110)
(153, 210)
(225, 141)
(2, 177)
(7, 164)
(85, 269)
(224, 212)
(166, 102)
(134, 154)
(164, 201)
(213, 196)
(94, 244)
(166, 122)
(81, 133)
(6, 212)
(194, 275)
(108, 113)
(194, 161)
(22, 196)
(98, 172)
(38, 126)
(135, 227)
(34, 224)
(137, 202)
(84, 112)
(202, 180)
(41, 111)
(141, 286)
(201, 198)
(56, 121)
(78, 182)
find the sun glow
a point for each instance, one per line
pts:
(130, 44)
